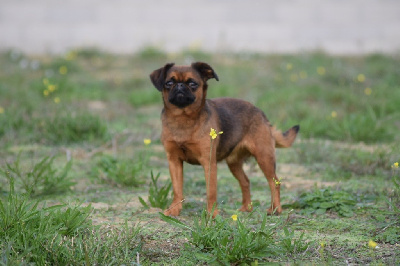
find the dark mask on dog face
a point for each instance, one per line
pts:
(182, 85)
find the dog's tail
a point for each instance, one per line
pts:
(285, 139)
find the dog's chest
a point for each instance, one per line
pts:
(189, 153)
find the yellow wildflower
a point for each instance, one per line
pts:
(45, 82)
(334, 114)
(372, 244)
(214, 134)
(57, 99)
(368, 91)
(277, 181)
(321, 70)
(289, 66)
(234, 217)
(361, 78)
(51, 87)
(395, 165)
(322, 244)
(1, 110)
(63, 70)
(147, 141)
(46, 93)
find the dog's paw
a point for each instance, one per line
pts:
(246, 208)
(215, 213)
(275, 211)
(174, 209)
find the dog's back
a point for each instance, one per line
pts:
(239, 118)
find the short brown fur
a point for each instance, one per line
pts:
(187, 118)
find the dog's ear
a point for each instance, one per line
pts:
(205, 71)
(158, 76)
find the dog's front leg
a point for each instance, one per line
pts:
(176, 172)
(210, 172)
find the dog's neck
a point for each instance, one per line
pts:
(181, 117)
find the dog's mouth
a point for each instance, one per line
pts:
(181, 99)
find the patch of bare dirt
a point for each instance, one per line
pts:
(295, 176)
(96, 105)
(346, 145)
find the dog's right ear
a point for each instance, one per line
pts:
(158, 76)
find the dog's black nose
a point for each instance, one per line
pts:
(180, 86)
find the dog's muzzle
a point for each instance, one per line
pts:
(181, 96)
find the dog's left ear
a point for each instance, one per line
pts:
(158, 76)
(205, 71)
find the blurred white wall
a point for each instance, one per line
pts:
(123, 26)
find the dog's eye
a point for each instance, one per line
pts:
(169, 84)
(193, 84)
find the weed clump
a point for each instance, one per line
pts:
(320, 201)
(41, 179)
(158, 196)
(60, 235)
(118, 172)
(71, 128)
(235, 241)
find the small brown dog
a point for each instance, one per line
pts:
(187, 119)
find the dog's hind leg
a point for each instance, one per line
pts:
(266, 160)
(236, 168)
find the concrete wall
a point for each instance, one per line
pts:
(336, 26)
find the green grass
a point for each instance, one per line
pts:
(59, 234)
(97, 108)
(39, 179)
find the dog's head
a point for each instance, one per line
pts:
(182, 86)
